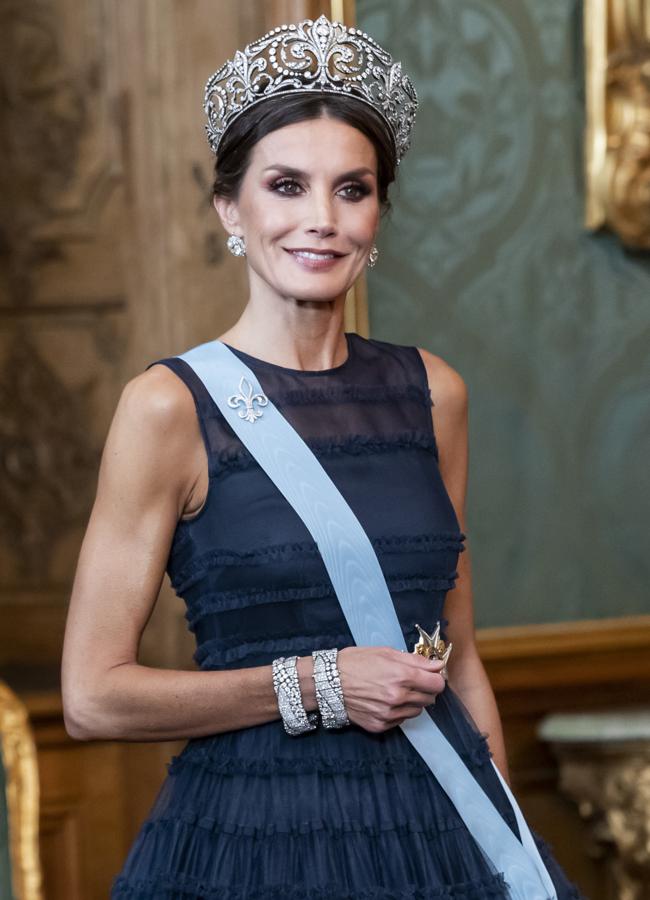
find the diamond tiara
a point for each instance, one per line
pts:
(316, 56)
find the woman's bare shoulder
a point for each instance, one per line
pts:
(154, 438)
(158, 397)
(447, 385)
(157, 402)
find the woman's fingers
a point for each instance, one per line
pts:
(383, 686)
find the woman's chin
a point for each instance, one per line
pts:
(322, 288)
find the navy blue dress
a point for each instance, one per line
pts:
(257, 814)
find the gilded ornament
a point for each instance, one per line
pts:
(433, 647)
(18, 757)
(617, 139)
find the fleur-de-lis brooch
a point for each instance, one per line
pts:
(433, 647)
(247, 397)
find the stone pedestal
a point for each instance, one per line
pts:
(604, 761)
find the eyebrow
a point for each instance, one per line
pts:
(298, 173)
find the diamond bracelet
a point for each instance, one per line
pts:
(287, 689)
(329, 692)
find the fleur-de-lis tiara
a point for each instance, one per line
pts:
(316, 56)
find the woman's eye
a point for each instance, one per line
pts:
(283, 184)
(358, 191)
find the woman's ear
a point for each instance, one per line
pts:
(228, 213)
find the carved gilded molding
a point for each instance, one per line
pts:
(617, 139)
(22, 791)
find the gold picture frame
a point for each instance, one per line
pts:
(22, 795)
(617, 137)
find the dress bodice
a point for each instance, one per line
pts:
(251, 575)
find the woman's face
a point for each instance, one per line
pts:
(308, 208)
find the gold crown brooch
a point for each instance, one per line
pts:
(433, 647)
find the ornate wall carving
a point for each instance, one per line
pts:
(610, 784)
(63, 297)
(48, 460)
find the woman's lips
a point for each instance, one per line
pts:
(313, 260)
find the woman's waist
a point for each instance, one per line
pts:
(256, 637)
(267, 748)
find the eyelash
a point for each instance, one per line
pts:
(363, 190)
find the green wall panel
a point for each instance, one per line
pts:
(484, 260)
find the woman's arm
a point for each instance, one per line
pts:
(149, 473)
(467, 675)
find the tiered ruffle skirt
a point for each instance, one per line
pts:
(257, 814)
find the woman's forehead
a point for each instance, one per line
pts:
(315, 144)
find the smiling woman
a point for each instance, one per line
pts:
(261, 802)
(270, 150)
(300, 213)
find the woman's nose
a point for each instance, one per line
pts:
(321, 217)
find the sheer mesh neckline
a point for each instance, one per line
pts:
(246, 357)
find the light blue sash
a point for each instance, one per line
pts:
(361, 588)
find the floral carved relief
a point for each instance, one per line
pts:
(62, 286)
(612, 790)
(472, 140)
(61, 156)
(47, 459)
(43, 118)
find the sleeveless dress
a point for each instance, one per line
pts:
(331, 814)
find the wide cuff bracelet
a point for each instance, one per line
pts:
(287, 689)
(329, 693)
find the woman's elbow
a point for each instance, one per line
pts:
(74, 726)
(84, 715)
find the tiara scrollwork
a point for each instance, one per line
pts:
(316, 56)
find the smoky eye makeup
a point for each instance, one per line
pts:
(287, 186)
(284, 185)
(360, 188)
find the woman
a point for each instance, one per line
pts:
(252, 808)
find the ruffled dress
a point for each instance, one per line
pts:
(257, 814)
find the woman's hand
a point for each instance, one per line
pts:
(382, 686)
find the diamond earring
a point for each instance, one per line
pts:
(236, 245)
(372, 257)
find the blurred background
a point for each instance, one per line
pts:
(534, 123)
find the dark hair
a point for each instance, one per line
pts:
(263, 118)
